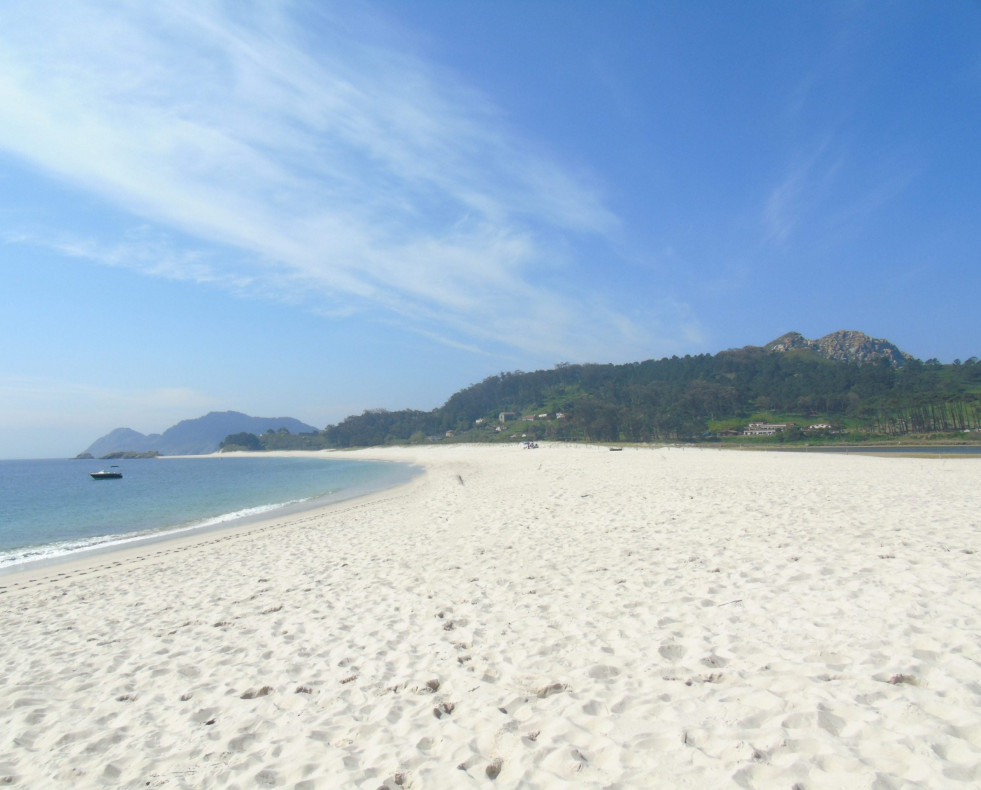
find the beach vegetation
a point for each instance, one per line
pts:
(241, 442)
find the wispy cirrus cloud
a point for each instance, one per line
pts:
(289, 148)
(792, 202)
(830, 192)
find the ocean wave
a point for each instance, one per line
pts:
(11, 558)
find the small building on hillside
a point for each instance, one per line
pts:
(767, 428)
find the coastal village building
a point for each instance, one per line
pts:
(766, 428)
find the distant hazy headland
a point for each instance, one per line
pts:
(192, 437)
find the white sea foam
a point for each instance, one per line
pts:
(51, 551)
(52, 509)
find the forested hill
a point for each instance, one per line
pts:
(698, 397)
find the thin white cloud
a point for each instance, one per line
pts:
(32, 403)
(781, 210)
(298, 153)
(17, 390)
(811, 180)
(829, 192)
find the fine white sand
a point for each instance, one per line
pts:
(566, 616)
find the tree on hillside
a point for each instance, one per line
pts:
(241, 441)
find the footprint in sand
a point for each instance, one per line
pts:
(672, 652)
(444, 709)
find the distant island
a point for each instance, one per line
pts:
(841, 388)
(198, 436)
(119, 455)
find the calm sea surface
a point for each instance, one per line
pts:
(54, 508)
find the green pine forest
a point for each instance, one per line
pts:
(703, 398)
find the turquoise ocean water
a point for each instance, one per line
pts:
(53, 508)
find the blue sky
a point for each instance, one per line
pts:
(308, 209)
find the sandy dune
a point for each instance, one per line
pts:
(565, 616)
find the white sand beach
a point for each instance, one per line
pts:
(559, 617)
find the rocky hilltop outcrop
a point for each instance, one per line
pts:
(842, 346)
